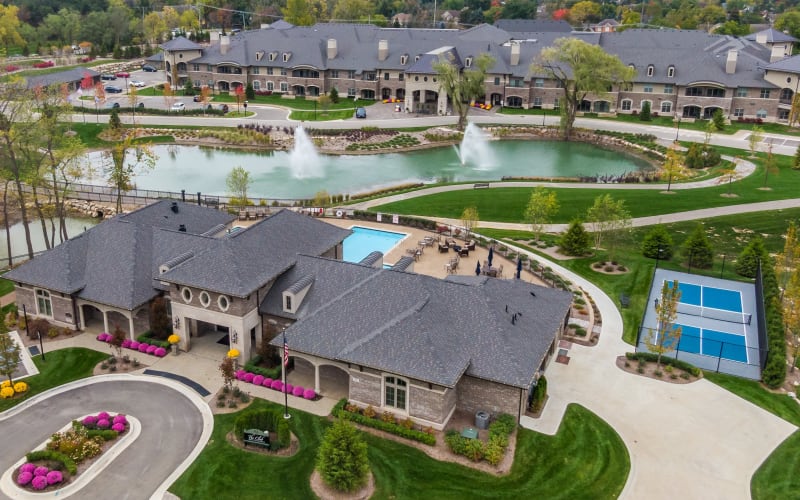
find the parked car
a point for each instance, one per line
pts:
(178, 106)
(223, 108)
(112, 105)
(197, 98)
(137, 83)
(361, 113)
(108, 77)
(123, 74)
(149, 68)
(111, 89)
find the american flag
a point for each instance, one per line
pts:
(285, 353)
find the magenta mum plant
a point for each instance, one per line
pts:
(39, 482)
(248, 377)
(89, 420)
(277, 385)
(160, 352)
(258, 379)
(121, 419)
(309, 394)
(28, 467)
(143, 347)
(134, 345)
(103, 423)
(151, 349)
(24, 478)
(119, 427)
(126, 343)
(54, 477)
(41, 471)
(267, 382)
(239, 374)
(289, 388)
(298, 391)
(103, 415)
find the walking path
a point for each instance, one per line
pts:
(693, 440)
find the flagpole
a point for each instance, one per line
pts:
(285, 365)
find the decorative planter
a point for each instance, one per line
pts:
(174, 349)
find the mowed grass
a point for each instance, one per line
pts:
(508, 204)
(61, 366)
(585, 459)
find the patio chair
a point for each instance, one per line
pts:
(471, 245)
(242, 214)
(500, 271)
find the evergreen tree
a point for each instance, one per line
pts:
(342, 460)
(114, 123)
(718, 119)
(657, 240)
(696, 250)
(645, 114)
(250, 92)
(796, 163)
(9, 352)
(335, 99)
(576, 240)
(160, 325)
(747, 263)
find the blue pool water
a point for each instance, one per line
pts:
(365, 240)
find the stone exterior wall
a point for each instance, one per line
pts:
(365, 388)
(476, 394)
(431, 405)
(63, 309)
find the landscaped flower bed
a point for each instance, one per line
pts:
(256, 379)
(135, 345)
(57, 464)
(385, 422)
(8, 391)
(476, 450)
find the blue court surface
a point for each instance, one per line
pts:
(710, 297)
(712, 343)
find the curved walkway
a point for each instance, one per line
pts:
(176, 425)
(685, 441)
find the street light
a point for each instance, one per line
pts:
(245, 108)
(41, 345)
(679, 129)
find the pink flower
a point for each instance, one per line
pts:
(134, 345)
(103, 337)
(103, 423)
(89, 420)
(143, 347)
(121, 419)
(289, 388)
(103, 415)
(258, 379)
(239, 374)
(119, 427)
(277, 385)
(24, 478)
(248, 377)
(151, 349)
(54, 477)
(160, 352)
(126, 343)
(309, 394)
(28, 467)
(39, 482)
(41, 471)
(267, 382)
(298, 391)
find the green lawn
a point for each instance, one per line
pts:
(6, 287)
(585, 459)
(508, 204)
(778, 404)
(62, 366)
(310, 116)
(298, 103)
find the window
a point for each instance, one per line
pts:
(270, 86)
(671, 72)
(666, 107)
(223, 302)
(305, 73)
(334, 73)
(186, 295)
(631, 66)
(668, 89)
(556, 103)
(394, 390)
(650, 70)
(256, 70)
(209, 68)
(269, 70)
(516, 82)
(43, 303)
(351, 74)
(497, 80)
(738, 112)
(369, 76)
(403, 59)
(537, 103)
(626, 105)
(195, 67)
(210, 84)
(761, 113)
(741, 92)
(401, 76)
(648, 89)
(197, 83)
(468, 62)
(288, 305)
(538, 83)
(764, 94)
(205, 299)
(783, 114)
(256, 85)
(272, 56)
(386, 76)
(286, 56)
(283, 71)
(351, 92)
(284, 87)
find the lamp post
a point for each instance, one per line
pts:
(723, 266)
(679, 128)
(544, 115)
(245, 108)
(41, 344)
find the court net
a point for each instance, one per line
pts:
(717, 314)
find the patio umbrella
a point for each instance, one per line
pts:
(519, 267)
(491, 255)
(478, 269)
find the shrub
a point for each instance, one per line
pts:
(387, 417)
(267, 382)
(160, 352)
(643, 357)
(298, 391)
(258, 379)
(54, 477)
(244, 397)
(27, 467)
(239, 374)
(103, 423)
(277, 385)
(89, 420)
(143, 347)
(309, 394)
(340, 411)
(55, 456)
(265, 419)
(151, 349)
(103, 337)
(126, 343)
(248, 377)
(369, 412)
(24, 478)
(342, 460)
(40, 471)
(539, 394)
(20, 387)
(134, 345)
(39, 482)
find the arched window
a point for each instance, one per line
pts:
(650, 70)
(395, 392)
(44, 305)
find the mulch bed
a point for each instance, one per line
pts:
(649, 370)
(294, 446)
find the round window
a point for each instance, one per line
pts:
(205, 299)
(416, 78)
(186, 293)
(424, 78)
(223, 303)
(434, 78)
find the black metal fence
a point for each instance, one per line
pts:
(761, 317)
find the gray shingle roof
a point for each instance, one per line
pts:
(790, 64)
(422, 327)
(533, 25)
(69, 76)
(180, 43)
(773, 36)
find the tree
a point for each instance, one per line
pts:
(9, 27)
(667, 335)
(794, 113)
(116, 340)
(154, 26)
(728, 174)
(249, 91)
(114, 123)
(171, 17)
(238, 181)
(334, 95)
(752, 254)
(580, 69)
(188, 87)
(123, 162)
(321, 198)
(160, 325)
(787, 261)
(351, 10)
(462, 86)
(673, 167)
(239, 94)
(789, 22)
(630, 17)
(342, 460)
(9, 352)
(542, 206)
(575, 241)
(585, 11)
(697, 250)
(791, 315)
(298, 13)
(324, 102)
(657, 243)
(796, 160)
(770, 166)
(519, 9)
(469, 219)
(608, 216)
(718, 120)
(227, 370)
(754, 139)
(645, 114)
(169, 95)
(189, 21)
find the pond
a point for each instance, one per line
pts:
(297, 175)
(19, 248)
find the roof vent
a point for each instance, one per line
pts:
(174, 207)
(182, 228)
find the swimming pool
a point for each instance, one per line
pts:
(365, 240)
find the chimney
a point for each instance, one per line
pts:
(214, 36)
(224, 43)
(779, 51)
(514, 54)
(761, 38)
(333, 48)
(383, 49)
(174, 207)
(730, 64)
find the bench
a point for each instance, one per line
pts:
(624, 300)
(480, 185)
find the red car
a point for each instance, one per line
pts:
(123, 74)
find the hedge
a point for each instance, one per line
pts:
(265, 419)
(252, 366)
(774, 372)
(666, 360)
(148, 111)
(106, 434)
(390, 427)
(147, 338)
(55, 456)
